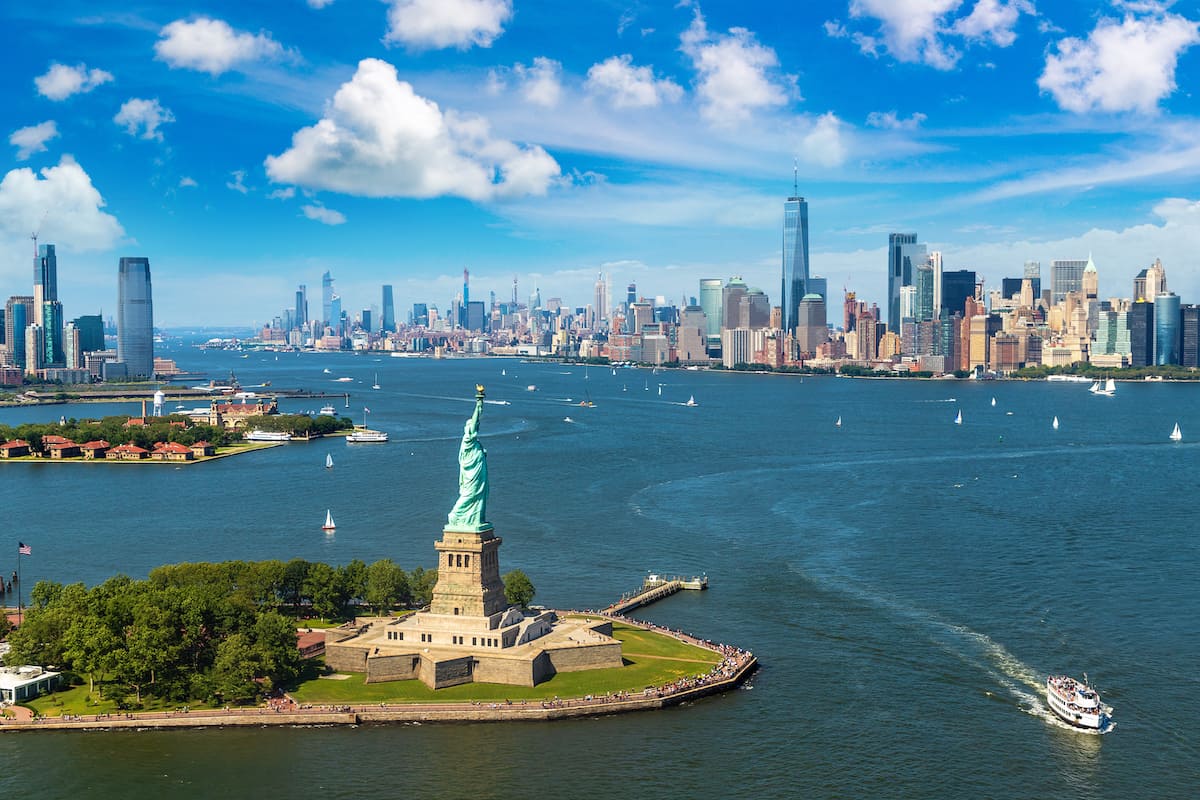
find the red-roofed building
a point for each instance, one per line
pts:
(233, 416)
(63, 448)
(96, 449)
(310, 643)
(54, 439)
(171, 451)
(127, 452)
(14, 449)
(200, 449)
(136, 422)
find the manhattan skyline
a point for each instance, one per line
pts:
(247, 151)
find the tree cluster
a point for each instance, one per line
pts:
(218, 631)
(299, 424)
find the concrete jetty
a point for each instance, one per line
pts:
(654, 588)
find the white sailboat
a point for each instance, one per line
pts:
(958, 419)
(1176, 435)
(691, 400)
(993, 402)
(503, 372)
(1095, 387)
(838, 424)
(376, 384)
(1110, 386)
(1054, 424)
(328, 526)
(660, 390)
(329, 461)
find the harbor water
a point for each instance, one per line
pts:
(907, 583)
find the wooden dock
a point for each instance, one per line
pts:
(654, 588)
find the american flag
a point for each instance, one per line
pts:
(24, 549)
(367, 410)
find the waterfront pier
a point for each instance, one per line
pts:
(655, 588)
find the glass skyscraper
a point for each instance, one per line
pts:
(1166, 329)
(957, 286)
(45, 280)
(326, 297)
(389, 310)
(795, 259)
(904, 254)
(135, 318)
(1066, 276)
(710, 301)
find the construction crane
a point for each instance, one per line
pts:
(34, 235)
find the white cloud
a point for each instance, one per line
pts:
(33, 139)
(212, 46)
(993, 20)
(238, 183)
(286, 193)
(540, 83)
(61, 81)
(919, 31)
(735, 74)
(381, 139)
(63, 201)
(823, 145)
(891, 121)
(435, 24)
(326, 216)
(319, 3)
(627, 86)
(142, 117)
(187, 183)
(1122, 66)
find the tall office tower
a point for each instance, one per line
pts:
(466, 300)
(301, 318)
(135, 318)
(812, 329)
(731, 303)
(710, 301)
(908, 302)
(1027, 292)
(1089, 282)
(817, 285)
(3, 334)
(72, 355)
(1156, 280)
(1033, 269)
(957, 286)
(1139, 286)
(795, 257)
(601, 299)
(869, 333)
(389, 310)
(904, 254)
(45, 280)
(91, 333)
(1141, 333)
(925, 307)
(849, 311)
(420, 314)
(692, 334)
(35, 347)
(52, 332)
(754, 309)
(18, 315)
(630, 294)
(476, 319)
(366, 320)
(326, 296)
(1166, 329)
(1189, 336)
(935, 261)
(1066, 275)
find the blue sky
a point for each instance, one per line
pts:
(247, 147)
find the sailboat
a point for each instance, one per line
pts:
(347, 399)
(328, 526)
(376, 384)
(838, 424)
(691, 400)
(1108, 389)
(1176, 435)
(660, 390)
(1054, 424)
(993, 402)
(958, 419)
(503, 372)
(329, 461)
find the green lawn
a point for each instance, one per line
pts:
(77, 700)
(651, 659)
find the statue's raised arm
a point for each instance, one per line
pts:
(470, 510)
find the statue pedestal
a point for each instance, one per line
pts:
(468, 569)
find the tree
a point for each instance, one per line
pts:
(518, 589)
(354, 579)
(292, 586)
(387, 585)
(421, 582)
(323, 587)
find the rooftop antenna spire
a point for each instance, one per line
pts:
(795, 177)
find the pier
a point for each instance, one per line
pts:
(655, 588)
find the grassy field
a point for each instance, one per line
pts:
(651, 659)
(77, 700)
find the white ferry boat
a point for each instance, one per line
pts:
(268, 436)
(328, 411)
(362, 435)
(1076, 703)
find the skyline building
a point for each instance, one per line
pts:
(1166, 329)
(389, 310)
(600, 301)
(91, 332)
(904, 253)
(795, 258)
(135, 317)
(45, 280)
(957, 286)
(1141, 333)
(300, 317)
(326, 297)
(710, 302)
(1189, 336)
(18, 315)
(52, 334)
(731, 303)
(812, 329)
(1066, 275)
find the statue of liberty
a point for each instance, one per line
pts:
(470, 510)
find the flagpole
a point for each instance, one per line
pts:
(20, 606)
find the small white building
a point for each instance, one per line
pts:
(18, 684)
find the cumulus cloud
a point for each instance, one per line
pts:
(64, 197)
(212, 46)
(61, 81)
(891, 121)
(540, 82)
(823, 144)
(627, 86)
(1126, 65)
(33, 139)
(735, 75)
(238, 183)
(286, 193)
(326, 216)
(921, 31)
(187, 183)
(319, 3)
(143, 117)
(380, 139)
(434, 24)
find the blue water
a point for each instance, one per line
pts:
(907, 582)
